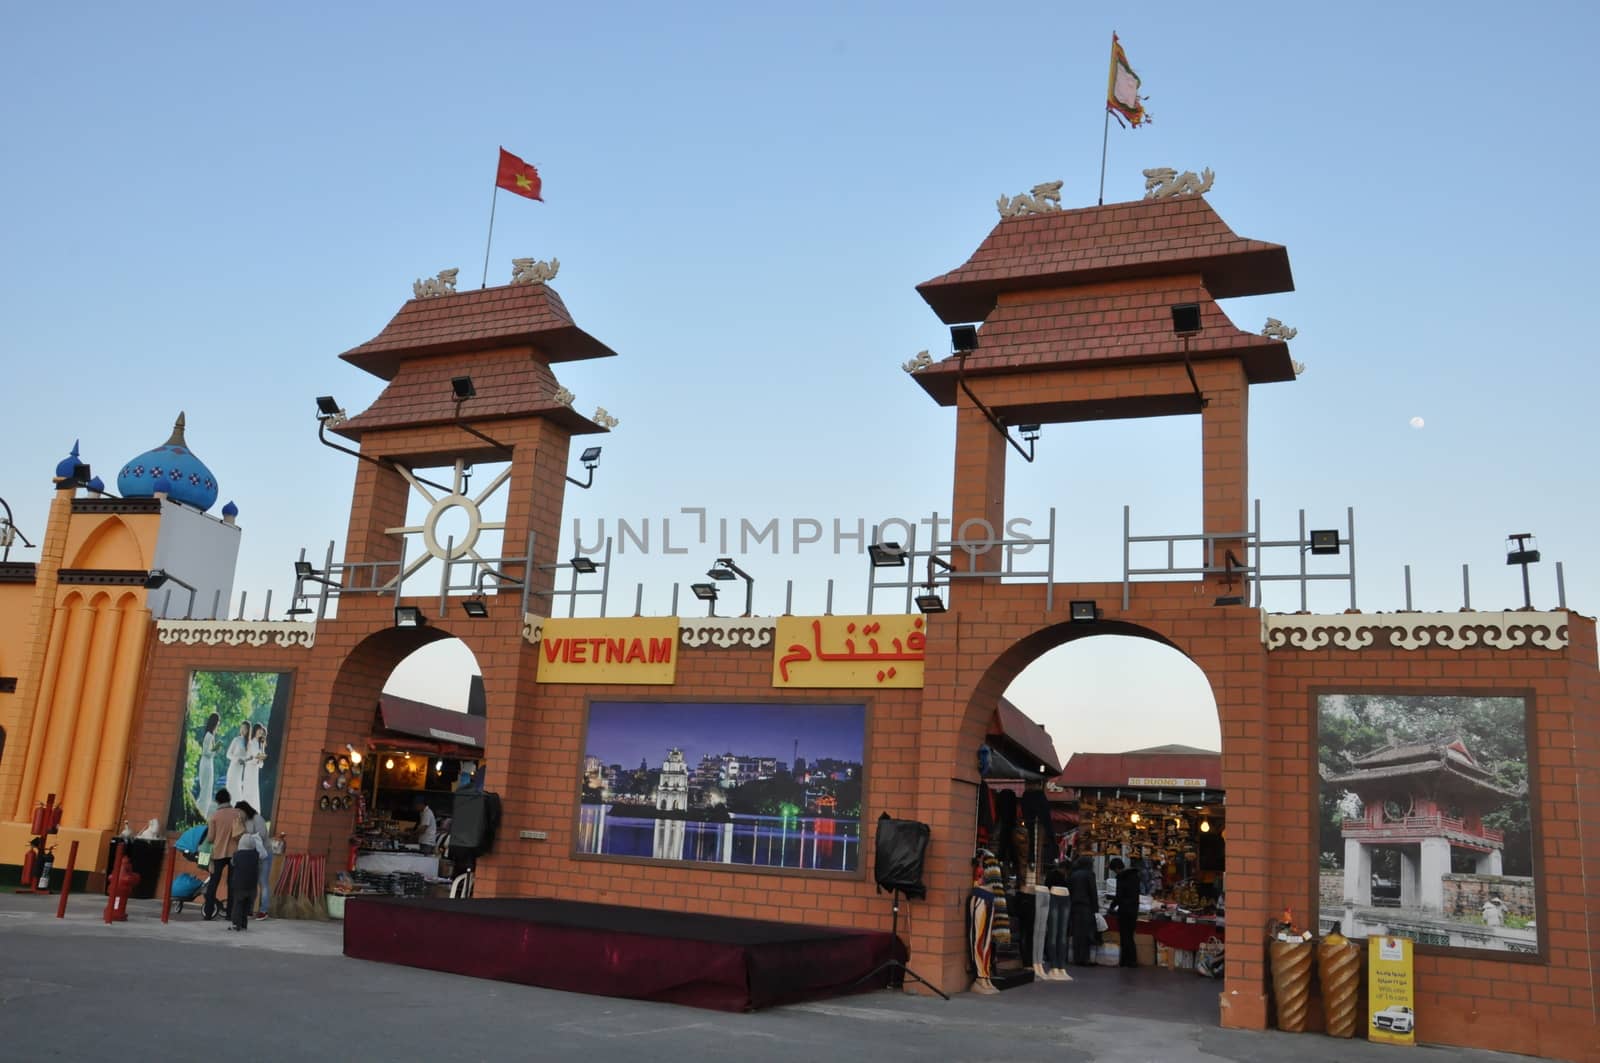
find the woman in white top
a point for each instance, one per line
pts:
(245, 868)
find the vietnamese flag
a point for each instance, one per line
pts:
(517, 176)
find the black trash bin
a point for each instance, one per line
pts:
(145, 858)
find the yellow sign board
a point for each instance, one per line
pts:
(849, 651)
(637, 649)
(1390, 999)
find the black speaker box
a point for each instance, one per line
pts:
(902, 845)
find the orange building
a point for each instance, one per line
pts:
(1104, 312)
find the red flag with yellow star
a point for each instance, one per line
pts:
(518, 176)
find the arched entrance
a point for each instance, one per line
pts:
(414, 700)
(1133, 725)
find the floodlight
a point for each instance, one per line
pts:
(326, 405)
(1325, 541)
(476, 608)
(930, 602)
(408, 616)
(1186, 319)
(963, 338)
(1229, 599)
(590, 455)
(887, 555)
(462, 387)
(1083, 612)
(304, 570)
(706, 592)
(582, 564)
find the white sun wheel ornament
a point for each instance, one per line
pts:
(469, 505)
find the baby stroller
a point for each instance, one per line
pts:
(187, 887)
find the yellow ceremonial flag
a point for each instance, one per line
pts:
(1122, 88)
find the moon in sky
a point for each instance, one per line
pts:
(1417, 422)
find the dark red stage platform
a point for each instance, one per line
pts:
(677, 957)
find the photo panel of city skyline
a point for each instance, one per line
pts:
(752, 784)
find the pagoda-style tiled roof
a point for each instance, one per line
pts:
(509, 316)
(517, 386)
(1147, 238)
(1104, 325)
(1441, 760)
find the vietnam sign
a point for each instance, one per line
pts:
(639, 649)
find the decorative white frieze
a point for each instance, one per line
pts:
(287, 633)
(1415, 631)
(727, 632)
(532, 628)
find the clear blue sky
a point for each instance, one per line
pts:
(204, 205)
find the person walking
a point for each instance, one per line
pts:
(246, 866)
(222, 831)
(1084, 895)
(1126, 909)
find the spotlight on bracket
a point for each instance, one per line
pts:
(476, 608)
(887, 555)
(1083, 612)
(1325, 541)
(591, 460)
(408, 616)
(582, 564)
(929, 601)
(461, 387)
(963, 338)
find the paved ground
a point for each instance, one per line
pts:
(190, 990)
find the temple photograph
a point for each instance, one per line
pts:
(1425, 820)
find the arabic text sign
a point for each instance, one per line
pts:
(1195, 784)
(849, 651)
(638, 649)
(1389, 991)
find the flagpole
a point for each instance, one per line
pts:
(496, 198)
(1105, 136)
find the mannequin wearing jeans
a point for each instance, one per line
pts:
(1055, 942)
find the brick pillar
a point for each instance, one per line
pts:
(1224, 437)
(538, 487)
(979, 505)
(377, 504)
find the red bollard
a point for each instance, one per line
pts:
(66, 883)
(166, 883)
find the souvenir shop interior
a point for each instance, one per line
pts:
(384, 788)
(1169, 830)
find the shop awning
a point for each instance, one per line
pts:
(1032, 752)
(406, 717)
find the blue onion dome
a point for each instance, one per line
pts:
(230, 510)
(173, 469)
(97, 485)
(66, 466)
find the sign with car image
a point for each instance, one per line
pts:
(1390, 998)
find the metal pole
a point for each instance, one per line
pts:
(638, 601)
(444, 574)
(216, 601)
(66, 883)
(528, 572)
(1125, 547)
(605, 581)
(266, 610)
(1303, 607)
(1561, 587)
(1257, 596)
(327, 568)
(1527, 595)
(242, 596)
(1408, 589)
(493, 200)
(1050, 566)
(572, 597)
(829, 610)
(1466, 589)
(1350, 519)
(674, 600)
(788, 598)
(1105, 138)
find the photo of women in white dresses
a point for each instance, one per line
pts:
(205, 791)
(230, 738)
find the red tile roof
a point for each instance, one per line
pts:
(1088, 771)
(509, 316)
(1098, 328)
(509, 384)
(1147, 238)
